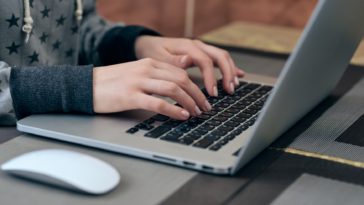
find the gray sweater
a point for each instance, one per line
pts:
(46, 64)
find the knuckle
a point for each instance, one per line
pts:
(184, 79)
(148, 61)
(160, 105)
(172, 88)
(225, 54)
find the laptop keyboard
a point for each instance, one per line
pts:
(230, 116)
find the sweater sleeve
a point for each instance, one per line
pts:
(51, 89)
(105, 43)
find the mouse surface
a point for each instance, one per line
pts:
(65, 168)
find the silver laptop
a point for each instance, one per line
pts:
(239, 126)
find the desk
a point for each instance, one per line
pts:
(285, 173)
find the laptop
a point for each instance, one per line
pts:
(241, 125)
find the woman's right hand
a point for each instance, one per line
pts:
(132, 85)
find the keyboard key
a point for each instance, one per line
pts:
(157, 132)
(250, 122)
(228, 101)
(231, 136)
(171, 137)
(204, 117)
(210, 113)
(144, 126)
(222, 104)
(215, 147)
(213, 136)
(236, 132)
(266, 88)
(160, 118)
(232, 123)
(227, 114)
(220, 118)
(199, 132)
(244, 115)
(172, 123)
(243, 128)
(238, 119)
(205, 128)
(183, 128)
(204, 143)
(233, 110)
(238, 106)
(217, 109)
(194, 135)
(225, 128)
(213, 122)
(223, 141)
(186, 141)
(250, 111)
(132, 130)
(252, 86)
(175, 133)
(244, 102)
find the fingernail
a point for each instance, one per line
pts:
(198, 111)
(215, 91)
(183, 60)
(232, 87)
(236, 81)
(208, 105)
(185, 113)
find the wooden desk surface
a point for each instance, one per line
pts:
(274, 39)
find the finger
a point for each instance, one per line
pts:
(200, 59)
(173, 91)
(181, 61)
(239, 72)
(158, 105)
(181, 78)
(222, 59)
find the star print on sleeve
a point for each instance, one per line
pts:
(60, 20)
(74, 29)
(43, 38)
(13, 21)
(56, 45)
(69, 53)
(13, 48)
(45, 12)
(34, 57)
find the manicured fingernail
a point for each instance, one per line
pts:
(232, 88)
(183, 60)
(198, 111)
(215, 91)
(236, 81)
(208, 105)
(185, 113)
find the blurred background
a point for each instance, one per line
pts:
(191, 18)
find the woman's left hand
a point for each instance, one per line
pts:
(184, 53)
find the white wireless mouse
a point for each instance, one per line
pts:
(65, 168)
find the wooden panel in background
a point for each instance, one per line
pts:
(168, 16)
(165, 16)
